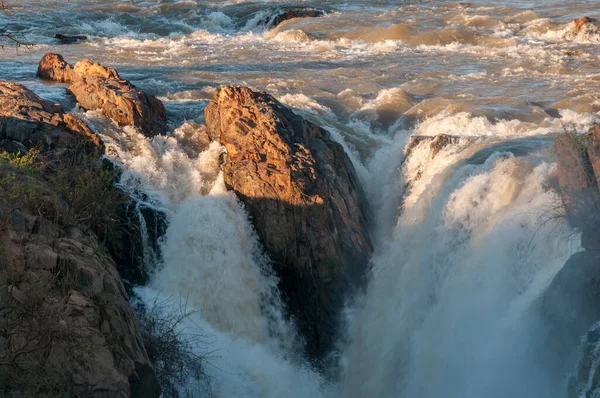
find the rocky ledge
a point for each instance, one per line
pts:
(66, 325)
(304, 199)
(98, 87)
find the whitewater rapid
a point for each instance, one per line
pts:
(466, 238)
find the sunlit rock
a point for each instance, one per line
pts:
(305, 201)
(98, 87)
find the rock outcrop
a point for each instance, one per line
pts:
(571, 304)
(66, 325)
(302, 194)
(79, 325)
(282, 14)
(27, 120)
(98, 87)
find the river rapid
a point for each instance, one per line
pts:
(466, 240)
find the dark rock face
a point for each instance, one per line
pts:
(98, 87)
(60, 291)
(286, 13)
(302, 194)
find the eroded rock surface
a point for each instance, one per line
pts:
(27, 120)
(79, 324)
(305, 201)
(66, 326)
(98, 87)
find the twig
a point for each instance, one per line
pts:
(10, 38)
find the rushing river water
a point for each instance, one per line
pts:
(465, 241)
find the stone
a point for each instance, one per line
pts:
(30, 120)
(290, 12)
(579, 22)
(98, 87)
(95, 344)
(304, 199)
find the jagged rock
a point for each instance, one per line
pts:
(60, 291)
(305, 201)
(98, 87)
(73, 288)
(286, 13)
(54, 67)
(29, 120)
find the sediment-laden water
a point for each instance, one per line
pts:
(465, 241)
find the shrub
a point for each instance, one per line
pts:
(170, 347)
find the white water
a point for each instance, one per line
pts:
(462, 249)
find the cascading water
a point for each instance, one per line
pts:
(466, 238)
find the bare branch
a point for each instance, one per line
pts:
(11, 38)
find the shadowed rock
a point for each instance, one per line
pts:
(305, 201)
(65, 39)
(98, 87)
(60, 292)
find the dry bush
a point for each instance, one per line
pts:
(170, 346)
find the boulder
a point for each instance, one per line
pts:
(29, 120)
(98, 87)
(282, 14)
(54, 67)
(304, 199)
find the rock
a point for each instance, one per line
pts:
(437, 143)
(572, 301)
(65, 39)
(578, 187)
(304, 199)
(98, 87)
(282, 14)
(586, 380)
(89, 338)
(54, 67)
(580, 22)
(30, 120)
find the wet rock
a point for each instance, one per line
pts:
(65, 39)
(579, 22)
(585, 381)
(437, 143)
(286, 13)
(302, 194)
(29, 120)
(98, 87)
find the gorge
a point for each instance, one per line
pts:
(330, 199)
